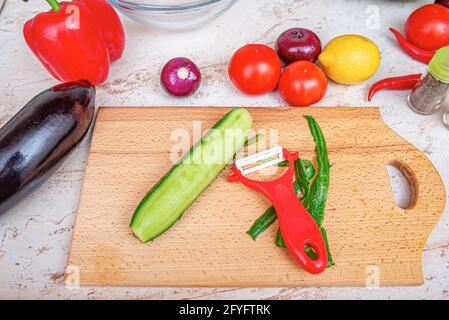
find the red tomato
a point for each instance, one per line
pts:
(255, 69)
(428, 27)
(302, 83)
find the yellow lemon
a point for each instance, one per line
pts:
(350, 59)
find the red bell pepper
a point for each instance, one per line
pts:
(76, 40)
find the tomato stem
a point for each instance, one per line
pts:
(54, 4)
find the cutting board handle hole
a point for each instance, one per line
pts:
(404, 185)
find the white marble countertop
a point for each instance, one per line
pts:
(35, 236)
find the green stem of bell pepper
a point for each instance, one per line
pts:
(54, 4)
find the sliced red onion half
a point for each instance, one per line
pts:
(180, 77)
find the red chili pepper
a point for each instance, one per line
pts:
(413, 51)
(76, 40)
(395, 83)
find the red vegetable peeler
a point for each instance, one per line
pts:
(297, 226)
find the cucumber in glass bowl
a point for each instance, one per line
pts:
(179, 188)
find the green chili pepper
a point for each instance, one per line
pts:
(320, 186)
(283, 164)
(309, 169)
(262, 223)
(279, 240)
(304, 173)
(330, 261)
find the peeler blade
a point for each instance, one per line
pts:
(275, 154)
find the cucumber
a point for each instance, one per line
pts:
(179, 188)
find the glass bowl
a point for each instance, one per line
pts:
(172, 14)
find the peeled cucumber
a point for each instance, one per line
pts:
(179, 188)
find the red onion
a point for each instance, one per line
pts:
(298, 44)
(180, 77)
(443, 2)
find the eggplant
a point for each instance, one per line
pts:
(40, 136)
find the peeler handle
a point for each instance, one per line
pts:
(298, 229)
(297, 226)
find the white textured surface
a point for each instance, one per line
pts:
(35, 236)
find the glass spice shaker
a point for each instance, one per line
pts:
(446, 119)
(430, 92)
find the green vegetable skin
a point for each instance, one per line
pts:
(179, 188)
(314, 197)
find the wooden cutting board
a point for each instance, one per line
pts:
(373, 242)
